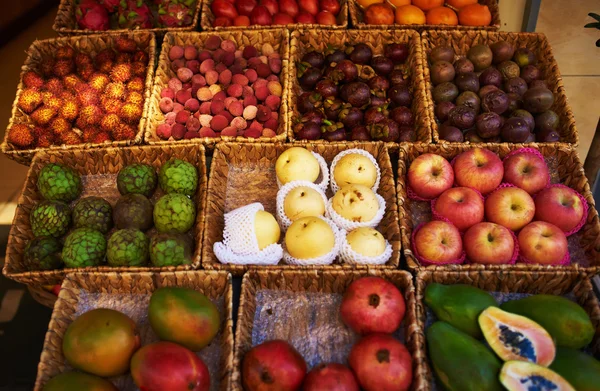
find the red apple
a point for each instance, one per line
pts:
(429, 175)
(326, 17)
(271, 5)
(283, 19)
(372, 305)
(305, 18)
(559, 205)
(332, 6)
(544, 243)
(489, 243)
(245, 7)
(273, 365)
(480, 169)
(310, 6)
(438, 242)
(462, 206)
(527, 171)
(223, 8)
(289, 7)
(511, 207)
(381, 363)
(261, 16)
(330, 377)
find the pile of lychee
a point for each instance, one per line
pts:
(75, 97)
(221, 90)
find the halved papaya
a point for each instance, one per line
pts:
(526, 376)
(514, 337)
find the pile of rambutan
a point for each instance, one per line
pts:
(73, 98)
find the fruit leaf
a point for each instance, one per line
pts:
(595, 16)
(592, 25)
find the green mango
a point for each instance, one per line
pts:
(460, 362)
(565, 320)
(578, 368)
(459, 305)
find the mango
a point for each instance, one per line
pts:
(77, 381)
(526, 376)
(578, 368)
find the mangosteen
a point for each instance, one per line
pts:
(309, 78)
(382, 65)
(315, 116)
(490, 76)
(515, 130)
(332, 108)
(386, 130)
(307, 131)
(530, 73)
(377, 101)
(379, 85)
(336, 135)
(351, 117)
(502, 51)
(463, 65)
(547, 120)
(407, 134)
(327, 88)
(469, 99)
(495, 101)
(314, 58)
(402, 115)
(360, 133)
(397, 52)
(509, 70)
(373, 115)
(365, 72)
(442, 110)
(530, 138)
(547, 136)
(397, 77)
(514, 102)
(538, 99)
(441, 53)
(486, 89)
(450, 133)
(524, 57)
(345, 71)
(445, 92)
(538, 83)
(526, 116)
(467, 82)
(462, 117)
(441, 72)
(335, 56)
(309, 101)
(515, 85)
(400, 95)
(488, 125)
(356, 93)
(472, 137)
(361, 53)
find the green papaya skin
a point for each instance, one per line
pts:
(578, 368)
(459, 305)
(565, 320)
(460, 362)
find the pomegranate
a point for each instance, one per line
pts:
(273, 365)
(330, 377)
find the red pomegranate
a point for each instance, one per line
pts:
(330, 377)
(273, 365)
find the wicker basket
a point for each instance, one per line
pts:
(94, 165)
(553, 283)
(42, 296)
(131, 293)
(357, 18)
(377, 39)
(279, 39)
(65, 23)
(208, 18)
(245, 173)
(89, 44)
(295, 327)
(565, 168)
(461, 41)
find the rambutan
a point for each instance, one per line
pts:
(123, 132)
(47, 66)
(64, 53)
(110, 105)
(106, 67)
(135, 97)
(90, 115)
(53, 102)
(88, 96)
(69, 110)
(136, 84)
(82, 60)
(70, 138)
(99, 81)
(43, 115)
(123, 58)
(138, 68)
(21, 136)
(101, 138)
(106, 55)
(86, 72)
(29, 100)
(60, 126)
(38, 131)
(110, 122)
(71, 80)
(67, 95)
(115, 90)
(121, 73)
(140, 56)
(45, 140)
(63, 67)
(32, 79)
(89, 134)
(125, 44)
(55, 86)
(130, 113)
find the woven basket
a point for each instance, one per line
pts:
(66, 24)
(245, 173)
(42, 296)
(377, 39)
(279, 39)
(559, 282)
(208, 18)
(131, 292)
(316, 282)
(565, 168)
(90, 164)
(461, 41)
(357, 17)
(89, 44)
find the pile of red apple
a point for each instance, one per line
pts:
(272, 12)
(373, 308)
(489, 211)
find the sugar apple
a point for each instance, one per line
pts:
(59, 183)
(94, 213)
(174, 213)
(50, 218)
(133, 211)
(178, 176)
(170, 250)
(127, 247)
(42, 254)
(84, 247)
(138, 179)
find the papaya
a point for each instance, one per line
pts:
(77, 381)
(526, 376)
(566, 321)
(183, 316)
(514, 337)
(578, 368)
(459, 305)
(461, 362)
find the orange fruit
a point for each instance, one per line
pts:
(442, 15)
(458, 4)
(475, 15)
(366, 3)
(409, 14)
(426, 5)
(399, 3)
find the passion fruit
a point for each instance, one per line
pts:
(462, 117)
(445, 92)
(441, 53)
(481, 56)
(442, 110)
(502, 51)
(509, 70)
(467, 82)
(470, 100)
(463, 65)
(441, 72)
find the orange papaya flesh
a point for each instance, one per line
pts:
(526, 376)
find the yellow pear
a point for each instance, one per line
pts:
(296, 164)
(266, 228)
(303, 202)
(309, 237)
(355, 168)
(355, 203)
(366, 241)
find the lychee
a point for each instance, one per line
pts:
(99, 81)
(43, 115)
(59, 126)
(163, 131)
(63, 67)
(69, 110)
(21, 136)
(31, 79)
(115, 90)
(135, 98)
(130, 113)
(123, 132)
(29, 100)
(136, 84)
(90, 115)
(55, 86)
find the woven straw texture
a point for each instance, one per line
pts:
(279, 39)
(357, 18)
(66, 24)
(245, 173)
(207, 19)
(42, 296)
(98, 169)
(320, 40)
(215, 285)
(326, 282)
(553, 283)
(584, 246)
(89, 44)
(462, 41)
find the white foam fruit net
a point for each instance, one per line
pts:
(349, 225)
(239, 245)
(326, 259)
(339, 156)
(323, 180)
(348, 255)
(282, 218)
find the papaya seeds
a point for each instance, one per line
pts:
(525, 376)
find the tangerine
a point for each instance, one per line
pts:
(475, 15)
(399, 3)
(410, 14)
(458, 4)
(442, 15)
(426, 5)
(380, 14)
